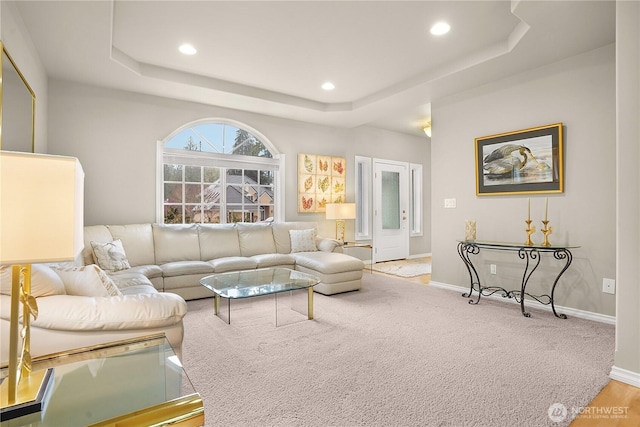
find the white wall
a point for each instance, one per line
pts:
(579, 92)
(114, 134)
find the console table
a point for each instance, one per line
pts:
(530, 254)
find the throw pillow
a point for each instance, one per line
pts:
(44, 281)
(303, 240)
(110, 256)
(88, 281)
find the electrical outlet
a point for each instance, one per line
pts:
(450, 203)
(608, 286)
(493, 269)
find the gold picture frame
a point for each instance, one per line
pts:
(321, 180)
(527, 161)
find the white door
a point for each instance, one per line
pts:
(391, 210)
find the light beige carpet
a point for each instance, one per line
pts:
(394, 353)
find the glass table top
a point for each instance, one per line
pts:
(263, 281)
(97, 384)
(506, 245)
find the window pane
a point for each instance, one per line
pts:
(192, 174)
(390, 200)
(173, 214)
(208, 215)
(211, 174)
(190, 212)
(192, 193)
(266, 177)
(173, 172)
(234, 213)
(172, 193)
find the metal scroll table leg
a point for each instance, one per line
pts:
(465, 250)
(527, 254)
(559, 255)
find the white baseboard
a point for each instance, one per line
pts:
(582, 314)
(625, 376)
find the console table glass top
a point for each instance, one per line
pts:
(531, 254)
(262, 281)
(139, 382)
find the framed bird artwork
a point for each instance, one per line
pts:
(527, 161)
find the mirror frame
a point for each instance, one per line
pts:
(6, 56)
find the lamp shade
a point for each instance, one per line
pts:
(41, 208)
(340, 211)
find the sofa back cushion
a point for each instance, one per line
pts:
(176, 243)
(218, 241)
(255, 238)
(137, 240)
(282, 237)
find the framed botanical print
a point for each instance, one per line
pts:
(321, 180)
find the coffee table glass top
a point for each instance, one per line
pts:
(263, 281)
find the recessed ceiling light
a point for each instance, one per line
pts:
(187, 49)
(328, 86)
(440, 28)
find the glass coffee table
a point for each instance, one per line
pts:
(259, 282)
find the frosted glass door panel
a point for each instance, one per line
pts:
(390, 200)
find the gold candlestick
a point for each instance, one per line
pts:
(529, 230)
(546, 231)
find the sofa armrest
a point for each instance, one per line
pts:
(79, 313)
(326, 244)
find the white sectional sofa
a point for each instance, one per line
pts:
(175, 257)
(159, 266)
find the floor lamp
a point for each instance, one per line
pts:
(41, 220)
(340, 212)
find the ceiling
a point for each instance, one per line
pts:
(272, 57)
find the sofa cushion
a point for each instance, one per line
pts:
(110, 256)
(218, 241)
(133, 283)
(328, 262)
(149, 271)
(137, 240)
(176, 243)
(303, 240)
(181, 268)
(273, 260)
(44, 281)
(255, 238)
(281, 235)
(233, 263)
(89, 280)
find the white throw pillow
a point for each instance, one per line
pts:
(110, 256)
(88, 280)
(44, 281)
(303, 240)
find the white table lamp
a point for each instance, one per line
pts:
(340, 212)
(41, 220)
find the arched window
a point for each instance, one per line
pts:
(217, 171)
